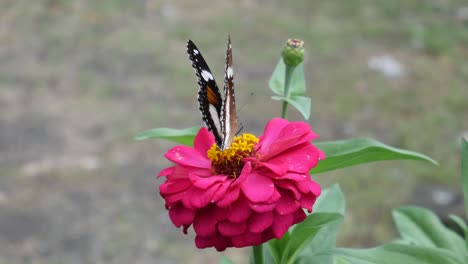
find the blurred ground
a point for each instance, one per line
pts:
(78, 79)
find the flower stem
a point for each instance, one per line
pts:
(287, 83)
(258, 254)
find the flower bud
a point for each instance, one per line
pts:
(293, 52)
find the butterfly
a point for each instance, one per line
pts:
(218, 113)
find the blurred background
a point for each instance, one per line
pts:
(79, 79)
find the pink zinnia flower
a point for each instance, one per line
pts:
(247, 194)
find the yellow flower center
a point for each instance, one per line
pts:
(230, 161)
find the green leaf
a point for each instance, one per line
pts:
(225, 260)
(298, 85)
(422, 227)
(314, 249)
(340, 260)
(277, 80)
(319, 247)
(460, 222)
(330, 201)
(304, 232)
(183, 136)
(345, 153)
(301, 103)
(464, 171)
(267, 255)
(395, 253)
(277, 246)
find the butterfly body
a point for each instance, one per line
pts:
(218, 113)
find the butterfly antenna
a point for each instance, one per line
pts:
(239, 129)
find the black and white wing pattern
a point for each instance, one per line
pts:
(209, 99)
(218, 114)
(228, 112)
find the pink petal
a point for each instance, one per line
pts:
(177, 173)
(205, 182)
(245, 173)
(315, 188)
(274, 197)
(309, 186)
(281, 224)
(247, 239)
(240, 211)
(262, 208)
(230, 196)
(259, 222)
(187, 156)
(173, 198)
(222, 190)
(180, 172)
(257, 188)
(287, 204)
(229, 190)
(221, 213)
(204, 242)
(299, 159)
(289, 186)
(267, 235)
(174, 186)
(200, 172)
(294, 177)
(231, 229)
(270, 134)
(219, 242)
(203, 141)
(299, 216)
(166, 171)
(180, 215)
(290, 135)
(276, 169)
(322, 155)
(204, 223)
(307, 201)
(198, 198)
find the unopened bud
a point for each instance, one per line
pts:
(293, 52)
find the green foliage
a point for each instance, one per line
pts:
(225, 260)
(345, 153)
(424, 239)
(464, 171)
(276, 246)
(293, 91)
(301, 103)
(331, 201)
(318, 250)
(421, 227)
(460, 222)
(182, 136)
(312, 240)
(395, 253)
(304, 234)
(278, 80)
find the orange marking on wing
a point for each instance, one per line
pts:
(212, 98)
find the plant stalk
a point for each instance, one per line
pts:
(287, 83)
(258, 254)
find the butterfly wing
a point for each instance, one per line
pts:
(209, 97)
(228, 112)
